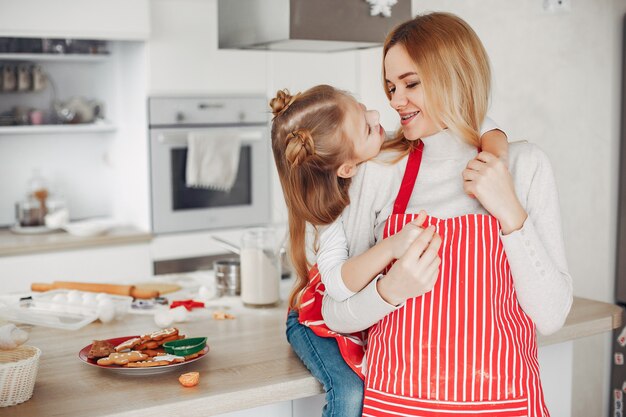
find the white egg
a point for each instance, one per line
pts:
(89, 298)
(59, 299)
(106, 311)
(179, 313)
(204, 293)
(74, 297)
(163, 318)
(103, 296)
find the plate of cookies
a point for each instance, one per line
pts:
(144, 354)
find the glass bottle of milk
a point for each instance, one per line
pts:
(260, 268)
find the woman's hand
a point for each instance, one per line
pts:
(401, 241)
(487, 178)
(415, 272)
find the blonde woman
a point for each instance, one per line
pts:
(466, 342)
(319, 138)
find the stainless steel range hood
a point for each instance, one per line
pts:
(305, 25)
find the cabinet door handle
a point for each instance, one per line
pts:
(205, 106)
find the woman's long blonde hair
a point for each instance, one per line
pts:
(310, 144)
(454, 69)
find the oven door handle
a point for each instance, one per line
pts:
(176, 139)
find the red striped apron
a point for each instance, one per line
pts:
(465, 348)
(352, 346)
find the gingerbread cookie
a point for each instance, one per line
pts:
(122, 358)
(160, 334)
(156, 361)
(100, 349)
(129, 344)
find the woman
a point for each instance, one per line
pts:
(468, 342)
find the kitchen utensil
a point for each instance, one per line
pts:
(227, 245)
(227, 276)
(185, 347)
(130, 290)
(18, 371)
(260, 268)
(160, 287)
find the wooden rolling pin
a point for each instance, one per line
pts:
(130, 290)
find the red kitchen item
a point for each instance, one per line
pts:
(188, 304)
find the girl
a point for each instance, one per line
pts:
(465, 343)
(319, 138)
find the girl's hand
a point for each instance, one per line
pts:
(487, 178)
(401, 241)
(416, 272)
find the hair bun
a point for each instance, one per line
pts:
(281, 102)
(300, 146)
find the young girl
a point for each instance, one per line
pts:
(467, 344)
(319, 138)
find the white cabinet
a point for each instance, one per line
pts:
(107, 264)
(79, 19)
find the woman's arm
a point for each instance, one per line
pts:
(531, 234)
(536, 251)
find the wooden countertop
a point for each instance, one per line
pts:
(17, 244)
(250, 364)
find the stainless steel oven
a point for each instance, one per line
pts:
(178, 208)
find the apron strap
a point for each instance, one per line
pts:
(408, 180)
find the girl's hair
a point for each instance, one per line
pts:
(454, 69)
(309, 144)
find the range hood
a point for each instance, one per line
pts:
(308, 25)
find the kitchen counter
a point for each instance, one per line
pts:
(250, 364)
(22, 244)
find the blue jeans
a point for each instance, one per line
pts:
(344, 388)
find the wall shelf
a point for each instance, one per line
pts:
(52, 129)
(53, 57)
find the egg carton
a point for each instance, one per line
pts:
(62, 309)
(105, 306)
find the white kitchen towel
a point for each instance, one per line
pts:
(212, 160)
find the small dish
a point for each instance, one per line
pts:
(185, 347)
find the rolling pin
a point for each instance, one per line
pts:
(129, 290)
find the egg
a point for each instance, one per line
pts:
(106, 311)
(163, 318)
(179, 313)
(59, 299)
(74, 297)
(205, 294)
(89, 298)
(103, 296)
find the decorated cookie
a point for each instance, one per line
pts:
(122, 358)
(160, 334)
(129, 344)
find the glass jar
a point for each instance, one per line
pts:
(260, 268)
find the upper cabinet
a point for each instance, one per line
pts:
(76, 19)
